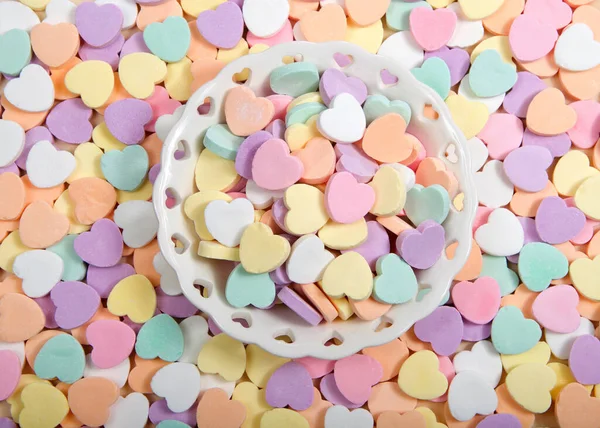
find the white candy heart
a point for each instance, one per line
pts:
(47, 166)
(308, 259)
(502, 235)
(128, 8)
(344, 121)
(169, 283)
(59, 11)
(403, 48)
(165, 123)
(226, 221)
(32, 91)
(195, 335)
(118, 374)
(14, 14)
(492, 103)
(17, 347)
(339, 416)
(261, 198)
(210, 381)
(482, 359)
(179, 384)
(40, 271)
(407, 174)
(494, 189)
(13, 141)
(479, 153)
(264, 18)
(469, 394)
(560, 343)
(138, 221)
(129, 412)
(467, 32)
(576, 49)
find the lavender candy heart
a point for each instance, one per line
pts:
(583, 359)
(558, 145)
(102, 246)
(353, 160)
(175, 306)
(279, 211)
(500, 420)
(69, 121)
(556, 222)
(443, 328)
(334, 82)
(134, 44)
(458, 61)
(247, 150)
(222, 27)
(423, 246)
(76, 303)
(277, 129)
(108, 53)
(526, 167)
(376, 245)
(7, 423)
(475, 332)
(332, 393)
(98, 25)
(531, 235)
(125, 119)
(290, 385)
(104, 279)
(520, 96)
(11, 167)
(293, 301)
(32, 136)
(153, 173)
(279, 276)
(49, 310)
(160, 412)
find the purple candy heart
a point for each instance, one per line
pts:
(98, 25)
(7, 423)
(102, 246)
(104, 279)
(175, 306)
(520, 96)
(108, 53)
(279, 211)
(530, 232)
(76, 303)
(423, 246)
(332, 393)
(159, 411)
(443, 328)
(277, 129)
(583, 359)
(558, 145)
(500, 420)
(49, 310)
(134, 44)
(334, 82)
(39, 133)
(526, 167)
(475, 332)
(222, 27)
(279, 276)
(290, 385)
(376, 245)
(125, 119)
(11, 167)
(457, 60)
(556, 222)
(293, 301)
(213, 327)
(69, 121)
(246, 152)
(353, 160)
(153, 173)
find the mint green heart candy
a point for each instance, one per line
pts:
(379, 105)
(302, 112)
(160, 337)
(219, 140)
(395, 281)
(539, 264)
(126, 169)
(172, 423)
(512, 333)
(74, 268)
(399, 11)
(497, 268)
(434, 73)
(169, 40)
(490, 75)
(61, 357)
(295, 79)
(429, 203)
(15, 51)
(244, 289)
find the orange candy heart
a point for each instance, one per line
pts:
(387, 396)
(33, 193)
(325, 25)
(506, 404)
(390, 355)
(26, 119)
(433, 171)
(246, 113)
(55, 44)
(366, 13)
(20, 318)
(94, 198)
(33, 345)
(315, 414)
(385, 139)
(90, 399)
(368, 309)
(150, 13)
(549, 115)
(318, 158)
(41, 226)
(11, 284)
(141, 375)
(216, 410)
(12, 197)
(525, 204)
(57, 75)
(143, 262)
(473, 265)
(204, 71)
(7, 226)
(576, 409)
(582, 85)
(412, 419)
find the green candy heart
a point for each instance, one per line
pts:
(395, 281)
(61, 357)
(434, 73)
(302, 112)
(379, 105)
(169, 40)
(126, 169)
(512, 333)
(171, 423)
(15, 51)
(219, 140)
(245, 289)
(295, 79)
(490, 75)
(160, 337)
(74, 268)
(497, 268)
(399, 11)
(429, 203)
(539, 264)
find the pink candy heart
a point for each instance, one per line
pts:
(290, 385)
(531, 39)
(10, 373)
(502, 134)
(556, 223)
(477, 301)
(273, 168)
(346, 200)
(222, 27)
(555, 308)
(432, 29)
(355, 375)
(76, 303)
(443, 328)
(555, 12)
(423, 246)
(112, 342)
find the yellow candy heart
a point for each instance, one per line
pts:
(214, 172)
(530, 385)
(420, 376)
(102, 137)
(142, 193)
(348, 275)
(44, 406)
(563, 378)
(298, 134)
(88, 157)
(10, 248)
(133, 296)
(238, 51)
(369, 38)
(343, 307)
(255, 402)
(540, 353)
(65, 205)
(260, 365)
(261, 251)
(93, 80)
(139, 72)
(223, 355)
(306, 205)
(179, 79)
(586, 197)
(196, 7)
(497, 43)
(436, 4)
(339, 236)
(218, 251)
(584, 274)
(477, 9)
(310, 97)
(571, 171)
(469, 116)
(390, 192)
(195, 205)
(278, 418)
(16, 405)
(37, 5)
(430, 418)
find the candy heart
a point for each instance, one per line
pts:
(585, 198)
(391, 419)
(133, 296)
(583, 347)
(306, 205)
(42, 405)
(490, 75)
(223, 355)
(422, 20)
(125, 119)
(91, 398)
(422, 247)
(531, 39)
(98, 25)
(214, 409)
(41, 227)
(169, 40)
(308, 259)
(299, 134)
(537, 159)
(419, 376)
(55, 43)
(11, 373)
(554, 12)
(376, 245)
(138, 221)
(273, 168)
(226, 221)
(443, 328)
(548, 115)
(75, 303)
(469, 395)
(518, 99)
(560, 343)
(474, 9)
(13, 145)
(477, 301)
(290, 385)
(556, 223)
(112, 342)
(318, 158)
(344, 122)
(339, 416)
(348, 275)
(47, 166)
(339, 236)
(15, 51)
(353, 160)
(60, 357)
(245, 289)
(32, 91)
(502, 235)
(379, 105)
(530, 385)
(104, 235)
(395, 282)
(17, 15)
(129, 411)
(355, 375)
(571, 171)
(434, 73)
(469, 116)
(328, 16)
(512, 333)
(385, 139)
(576, 49)
(575, 407)
(40, 270)
(482, 359)
(222, 27)
(556, 309)
(334, 82)
(159, 337)
(179, 383)
(427, 203)
(245, 113)
(539, 264)
(582, 272)
(346, 200)
(398, 13)
(243, 153)
(457, 60)
(93, 80)
(390, 191)
(69, 121)
(139, 72)
(261, 251)
(126, 169)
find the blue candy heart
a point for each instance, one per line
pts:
(490, 75)
(434, 73)
(395, 281)
(160, 337)
(512, 333)
(379, 105)
(245, 289)
(497, 268)
(74, 268)
(169, 40)
(429, 203)
(126, 169)
(539, 264)
(61, 357)
(15, 51)
(219, 140)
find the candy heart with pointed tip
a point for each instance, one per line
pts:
(130, 411)
(443, 328)
(490, 75)
(434, 73)
(576, 49)
(379, 105)
(502, 235)
(169, 40)
(274, 168)
(23, 312)
(226, 221)
(422, 247)
(160, 337)
(112, 342)
(261, 251)
(42, 405)
(530, 385)
(126, 170)
(334, 82)
(575, 408)
(512, 333)
(47, 166)
(395, 282)
(215, 409)
(76, 303)
(427, 203)
(556, 309)
(133, 296)
(224, 356)
(355, 375)
(106, 235)
(41, 227)
(290, 385)
(539, 264)
(245, 113)
(420, 376)
(347, 200)
(344, 122)
(308, 259)
(138, 221)
(422, 20)
(40, 270)
(60, 357)
(477, 301)
(101, 391)
(469, 116)
(93, 80)
(245, 289)
(179, 384)
(32, 91)
(98, 25)
(548, 114)
(222, 27)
